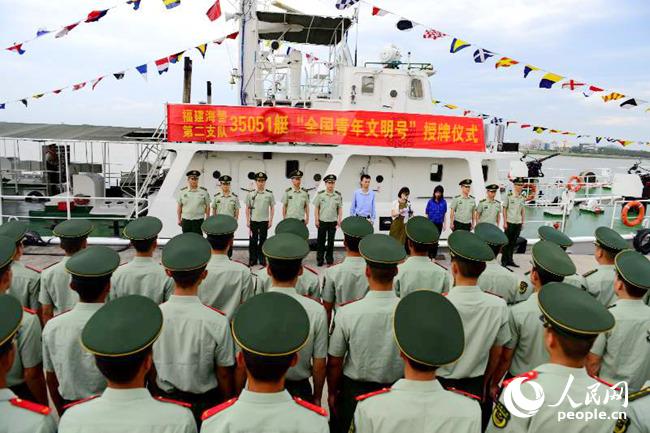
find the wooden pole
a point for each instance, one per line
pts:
(187, 80)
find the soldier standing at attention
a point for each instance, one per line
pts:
(194, 356)
(362, 355)
(347, 280)
(193, 204)
(623, 354)
(142, 275)
(572, 319)
(228, 283)
(260, 205)
(55, 295)
(489, 209)
(295, 201)
(16, 414)
(461, 215)
(328, 212)
(226, 202)
(418, 403)
(25, 282)
(270, 329)
(514, 212)
(600, 281)
(120, 335)
(71, 373)
(418, 271)
(496, 279)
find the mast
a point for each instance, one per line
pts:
(248, 52)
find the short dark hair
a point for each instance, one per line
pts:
(185, 279)
(351, 243)
(89, 288)
(418, 247)
(144, 245)
(403, 190)
(609, 254)
(220, 242)
(632, 290)
(364, 176)
(72, 245)
(469, 268)
(546, 277)
(422, 368)
(382, 274)
(574, 348)
(284, 270)
(267, 368)
(121, 369)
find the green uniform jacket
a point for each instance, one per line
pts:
(328, 205)
(25, 285)
(500, 281)
(141, 276)
(526, 336)
(225, 204)
(29, 348)
(55, 288)
(463, 208)
(18, 419)
(345, 281)
(513, 206)
(308, 283)
(194, 203)
(488, 211)
(260, 202)
(227, 285)
(600, 284)
(296, 202)
(420, 273)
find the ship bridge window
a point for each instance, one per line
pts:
(367, 85)
(416, 89)
(436, 173)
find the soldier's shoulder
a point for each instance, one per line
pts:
(363, 397)
(286, 190)
(234, 194)
(29, 311)
(81, 401)
(218, 408)
(470, 196)
(214, 309)
(586, 274)
(337, 192)
(482, 200)
(465, 394)
(639, 394)
(218, 194)
(348, 305)
(184, 188)
(304, 190)
(203, 188)
(30, 406)
(497, 201)
(309, 406)
(268, 190)
(176, 402)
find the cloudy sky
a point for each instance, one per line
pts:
(599, 42)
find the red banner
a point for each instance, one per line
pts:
(212, 123)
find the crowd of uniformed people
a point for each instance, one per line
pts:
(200, 342)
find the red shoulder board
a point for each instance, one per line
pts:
(532, 374)
(29, 310)
(31, 268)
(349, 302)
(122, 264)
(169, 400)
(215, 309)
(319, 410)
(445, 294)
(602, 381)
(372, 394)
(50, 265)
(83, 400)
(313, 271)
(466, 394)
(218, 408)
(30, 406)
(313, 299)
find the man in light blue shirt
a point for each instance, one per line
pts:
(363, 202)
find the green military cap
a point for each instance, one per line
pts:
(285, 246)
(14, 229)
(292, 225)
(419, 229)
(548, 233)
(186, 252)
(76, 228)
(490, 234)
(7, 250)
(381, 250)
(271, 324)
(465, 182)
(550, 257)
(492, 187)
(225, 179)
(94, 261)
(295, 173)
(220, 224)
(11, 314)
(428, 328)
(573, 311)
(634, 268)
(260, 175)
(356, 227)
(143, 228)
(122, 327)
(193, 173)
(518, 181)
(468, 246)
(610, 240)
(330, 178)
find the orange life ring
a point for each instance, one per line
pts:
(532, 191)
(575, 183)
(633, 205)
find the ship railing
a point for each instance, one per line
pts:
(564, 207)
(618, 209)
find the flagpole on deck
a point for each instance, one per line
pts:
(356, 41)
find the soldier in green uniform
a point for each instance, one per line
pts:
(526, 350)
(193, 204)
(260, 206)
(328, 212)
(225, 201)
(16, 414)
(346, 281)
(462, 208)
(295, 201)
(600, 281)
(56, 296)
(514, 213)
(418, 402)
(143, 275)
(194, 356)
(71, 373)
(270, 329)
(418, 271)
(228, 283)
(496, 278)
(362, 354)
(25, 282)
(572, 319)
(623, 354)
(548, 233)
(120, 335)
(488, 210)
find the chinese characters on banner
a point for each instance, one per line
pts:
(211, 123)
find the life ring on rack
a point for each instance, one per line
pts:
(532, 191)
(638, 207)
(574, 183)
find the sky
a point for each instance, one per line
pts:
(598, 42)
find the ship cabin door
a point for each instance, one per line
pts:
(394, 89)
(246, 177)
